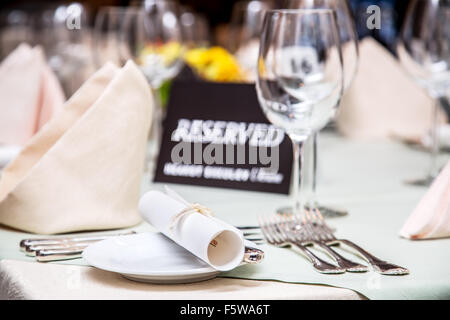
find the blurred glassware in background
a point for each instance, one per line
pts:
(297, 96)
(66, 37)
(194, 28)
(246, 24)
(151, 36)
(350, 55)
(15, 28)
(106, 35)
(424, 51)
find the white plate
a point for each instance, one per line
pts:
(148, 257)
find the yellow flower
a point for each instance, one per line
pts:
(215, 64)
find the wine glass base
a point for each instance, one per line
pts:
(327, 212)
(424, 182)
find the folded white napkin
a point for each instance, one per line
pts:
(431, 218)
(383, 100)
(83, 170)
(7, 153)
(212, 240)
(30, 95)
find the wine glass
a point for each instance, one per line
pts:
(66, 38)
(14, 29)
(246, 24)
(151, 36)
(300, 77)
(194, 28)
(424, 51)
(350, 54)
(106, 35)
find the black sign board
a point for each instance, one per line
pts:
(216, 135)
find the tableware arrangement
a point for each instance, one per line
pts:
(309, 229)
(83, 169)
(152, 257)
(424, 52)
(300, 77)
(192, 246)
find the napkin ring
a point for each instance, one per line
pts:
(191, 209)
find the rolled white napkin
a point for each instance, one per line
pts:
(212, 240)
(7, 153)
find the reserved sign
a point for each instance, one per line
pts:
(217, 135)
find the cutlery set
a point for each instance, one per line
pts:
(305, 232)
(308, 232)
(62, 248)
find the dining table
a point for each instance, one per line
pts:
(365, 178)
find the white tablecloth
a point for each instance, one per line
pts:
(27, 280)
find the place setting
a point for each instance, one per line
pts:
(155, 145)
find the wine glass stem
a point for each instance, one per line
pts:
(297, 176)
(155, 132)
(313, 195)
(310, 171)
(434, 140)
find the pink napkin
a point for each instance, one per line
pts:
(431, 218)
(30, 95)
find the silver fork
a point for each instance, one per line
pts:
(306, 232)
(377, 264)
(277, 237)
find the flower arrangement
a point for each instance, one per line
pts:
(215, 64)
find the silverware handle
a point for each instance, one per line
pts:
(378, 265)
(319, 264)
(56, 241)
(253, 255)
(57, 255)
(345, 263)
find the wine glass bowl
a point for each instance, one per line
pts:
(106, 35)
(152, 38)
(245, 30)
